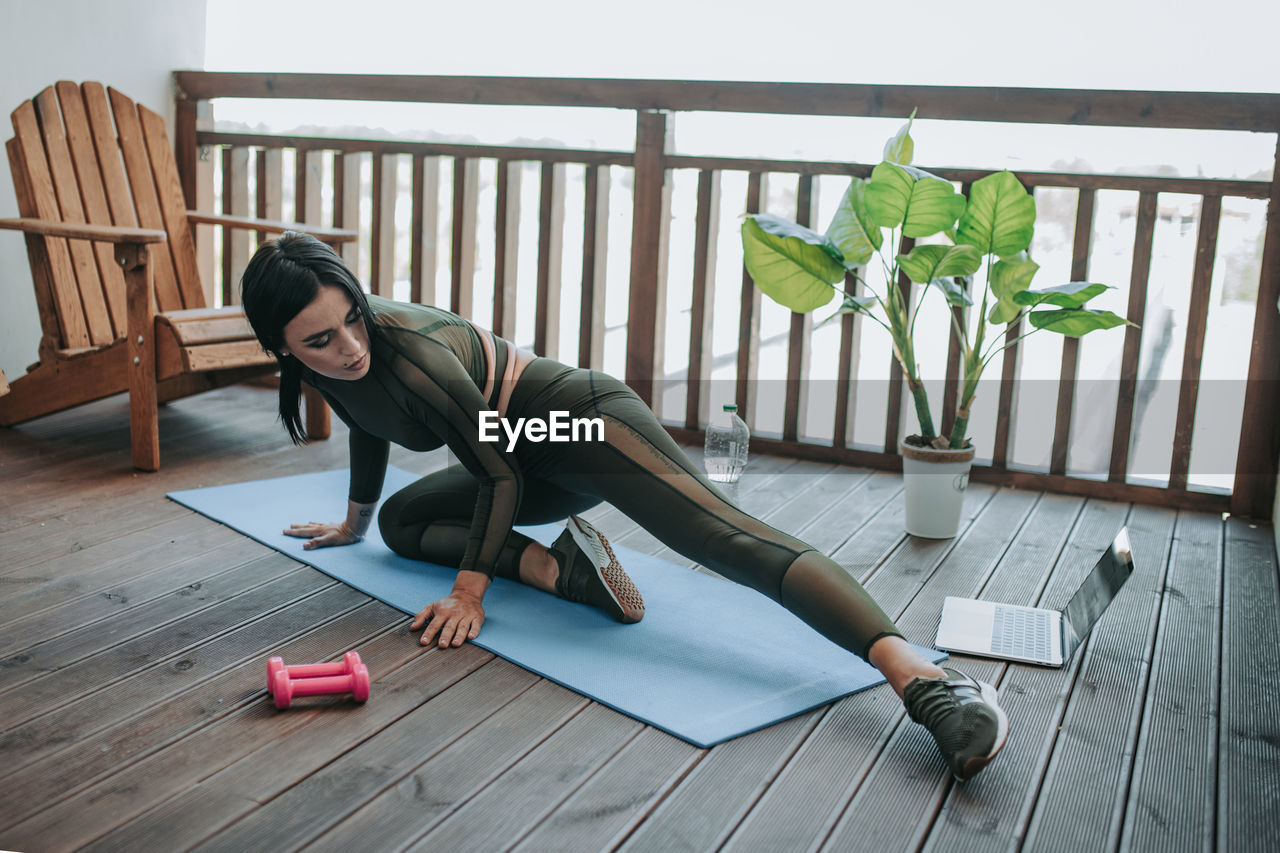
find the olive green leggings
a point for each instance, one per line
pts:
(639, 469)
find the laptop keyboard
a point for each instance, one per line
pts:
(1021, 632)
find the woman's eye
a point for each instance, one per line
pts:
(355, 315)
(320, 344)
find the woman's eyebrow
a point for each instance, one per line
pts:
(319, 334)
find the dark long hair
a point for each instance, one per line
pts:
(282, 278)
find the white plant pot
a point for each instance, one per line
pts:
(933, 489)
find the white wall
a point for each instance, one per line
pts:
(133, 45)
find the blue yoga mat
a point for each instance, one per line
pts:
(710, 661)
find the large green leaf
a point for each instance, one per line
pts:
(852, 230)
(1073, 294)
(900, 149)
(1009, 277)
(1002, 313)
(922, 203)
(1074, 322)
(925, 263)
(1000, 217)
(791, 264)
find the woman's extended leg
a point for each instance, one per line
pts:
(640, 470)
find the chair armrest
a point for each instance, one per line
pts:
(328, 235)
(82, 231)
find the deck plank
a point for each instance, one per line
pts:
(1169, 808)
(506, 810)
(458, 773)
(1248, 727)
(147, 555)
(248, 565)
(285, 584)
(621, 794)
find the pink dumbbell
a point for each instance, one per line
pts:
(346, 666)
(318, 680)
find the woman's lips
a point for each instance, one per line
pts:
(359, 363)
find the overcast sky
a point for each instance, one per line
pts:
(1174, 44)
(1222, 45)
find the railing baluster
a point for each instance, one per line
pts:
(466, 200)
(893, 407)
(595, 251)
(506, 247)
(749, 314)
(346, 202)
(1141, 271)
(798, 341)
(1002, 448)
(647, 298)
(424, 227)
(382, 240)
(697, 407)
(1258, 456)
(847, 369)
(1193, 353)
(306, 186)
(546, 336)
(235, 202)
(1071, 346)
(269, 201)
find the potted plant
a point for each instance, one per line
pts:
(989, 232)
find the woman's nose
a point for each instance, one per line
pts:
(348, 343)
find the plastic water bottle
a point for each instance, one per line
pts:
(725, 450)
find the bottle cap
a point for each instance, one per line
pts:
(731, 407)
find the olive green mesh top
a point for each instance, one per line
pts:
(425, 388)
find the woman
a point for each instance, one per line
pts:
(422, 377)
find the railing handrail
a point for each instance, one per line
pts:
(1096, 107)
(1226, 187)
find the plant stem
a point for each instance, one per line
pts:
(922, 408)
(958, 429)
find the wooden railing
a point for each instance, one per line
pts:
(654, 104)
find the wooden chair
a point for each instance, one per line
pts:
(114, 266)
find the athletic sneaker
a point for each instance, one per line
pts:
(591, 574)
(963, 717)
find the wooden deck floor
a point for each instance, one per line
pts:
(133, 635)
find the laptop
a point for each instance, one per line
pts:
(1034, 634)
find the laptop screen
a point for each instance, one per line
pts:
(1093, 596)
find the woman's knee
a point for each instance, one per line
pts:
(403, 539)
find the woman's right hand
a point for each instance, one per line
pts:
(323, 535)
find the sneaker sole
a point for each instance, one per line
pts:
(615, 579)
(975, 764)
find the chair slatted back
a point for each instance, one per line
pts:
(89, 154)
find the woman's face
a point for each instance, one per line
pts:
(329, 336)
